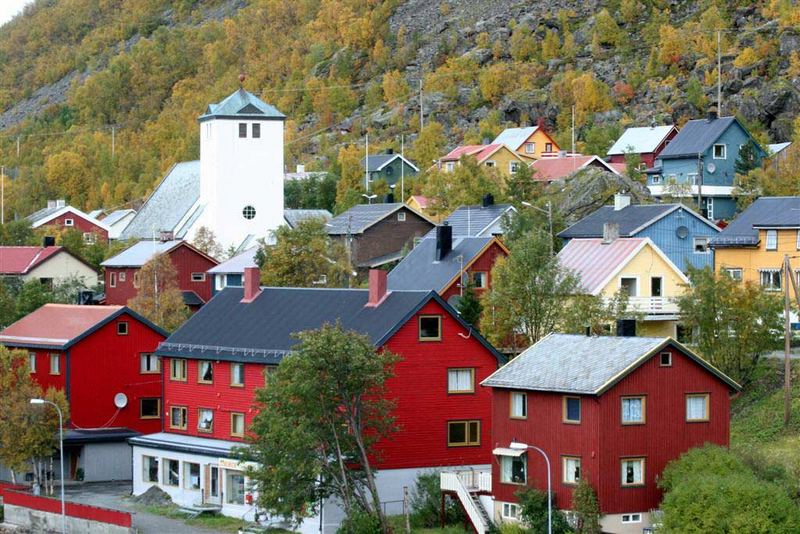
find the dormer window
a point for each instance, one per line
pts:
(242, 130)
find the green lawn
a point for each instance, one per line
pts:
(399, 527)
(216, 522)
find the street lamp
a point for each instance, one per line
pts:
(61, 454)
(369, 197)
(524, 447)
(549, 212)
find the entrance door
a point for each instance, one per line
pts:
(212, 485)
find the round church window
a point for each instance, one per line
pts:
(249, 212)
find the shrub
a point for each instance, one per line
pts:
(426, 501)
(533, 510)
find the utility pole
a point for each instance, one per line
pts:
(719, 73)
(787, 344)
(2, 195)
(402, 169)
(366, 163)
(699, 184)
(113, 140)
(18, 149)
(573, 138)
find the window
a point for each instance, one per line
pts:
(198, 277)
(122, 328)
(720, 151)
(69, 222)
(770, 279)
(629, 286)
(772, 240)
(530, 148)
(205, 372)
(150, 408)
(242, 130)
(430, 328)
(149, 363)
(514, 469)
(191, 476)
(177, 369)
(55, 364)
(513, 166)
(480, 279)
(112, 279)
(633, 410)
(519, 405)
(572, 470)
(237, 374)
(572, 410)
(463, 433)
(205, 420)
(235, 485)
(237, 425)
(693, 178)
(249, 212)
(641, 167)
(631, 518)
(655, 179)
(90, 238)
(734, 272)
(136, 279)
(171, 472)
(150, 469)
(633, 471)
(665, 359)
(701, 245)
(178, 417)
(656, 284)
(709, 208)
(32, 362)
(256, 131)
(461, 380)
(697, 407)
(548, 147)
(401, 216)
(450, 166)
(510, 511)
(490, 163)
(122, 276)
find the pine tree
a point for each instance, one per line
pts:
(469, 306)
(748, 159)
(586, 509)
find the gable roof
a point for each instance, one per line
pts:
(262, 330)
(62, 325)
(21, 260)
(419, 270)
(422, 201)
(480, 152)
(777, 148)
(640, 140)
(116, 216)
(631, 219)
(514, 137)
(376, 162)
(586, 365)
(236, 264)
(698, 135)
(242, 105)
(764, 212)
(140, 253)
(45, 215)
(475, 220)
(361, 217)
(294, 216)
(550, 169)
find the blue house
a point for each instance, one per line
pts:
(700, 163)
(681, 233)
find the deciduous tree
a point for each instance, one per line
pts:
(206, 241)
(159, 298)
(586, 508)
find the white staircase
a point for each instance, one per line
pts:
(467, 486)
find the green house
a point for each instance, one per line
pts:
(389, 167)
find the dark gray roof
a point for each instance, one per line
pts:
(376, 161)
(242, 105)
(696, 137)
(98, 435)
(631, 219)
(583, 364)
(419, 270)
(261, 331)
(190, 298)
(360, 217)
(474, 220)
(294, 216)
(765, 212)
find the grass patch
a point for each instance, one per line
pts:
(398, 523)
(218, 522)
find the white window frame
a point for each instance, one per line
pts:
(724, 151)
(642, 471)
(205, 365)
(661, 359)
(710, 208)
(146, 460)
(514, 413)
(166, 471)
(503, 472)
(513, 167)
(122, 276)
(32, 362)
(530, 148)
(735, 273)
(205, 429)
(187, 473)
(631, 518)
(55, 363)
(566, 472)
(699, 240)
(401, 216)
(636, 287)
(771, 273)
(706, 407)
(490, 163)
(457, 372)
(771, 240)
(69, 222)
(146, 360)
(450, 166)
(484, 279)
(198, 277)
(640, 421)
(112, 279)
(89, 238)
(798, 240)
(510, 511)
(656, 179)
(235, 384)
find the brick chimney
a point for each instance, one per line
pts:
(377, 287)
(252, 284)
(540, 123)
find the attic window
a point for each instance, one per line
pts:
(69, 222)
(122, 328)
(256, 131)
(430, 328)
(242, 129)
(720, 151)
(401, 216)
(665, 359)
(530, 148)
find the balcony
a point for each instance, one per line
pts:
(655, 308)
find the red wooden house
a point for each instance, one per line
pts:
(212, 372)
(59, 214)
(613, 410)
(122, 271)
(647, 142)
(102, 357)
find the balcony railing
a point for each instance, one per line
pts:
(653, 305)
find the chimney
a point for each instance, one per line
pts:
(626, 327)
(444, 241)
(389, 151)
(377, 287)
(488, 200)
(166, 235)
(610, 232)
(48, 241)
(712, 114)
(389, 199)
(540, 123)
(252, 284)
(301, 169)
(621, 200)
(51, 204)
(562, 153)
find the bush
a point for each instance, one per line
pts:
(533, 510)
(426, 501)
(360, 522)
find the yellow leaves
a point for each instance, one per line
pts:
(606, 30)
(395, 88)
(588, 94)
(522, 44)
(671, 45)
(746, 58)
(494, 81)
(429, 145)
(68, 171)
(550, 46)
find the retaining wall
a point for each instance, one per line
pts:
(43, 514)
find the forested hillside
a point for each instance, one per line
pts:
(99, 97)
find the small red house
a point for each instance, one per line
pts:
(59, 214)
(211, 374)
(646, 142)
(103, 358)
(122, 271)
(613, 410)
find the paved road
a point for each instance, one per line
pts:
(115, 495)
(778, 355)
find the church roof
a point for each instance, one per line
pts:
(242, 105)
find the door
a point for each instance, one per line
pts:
(655, 286)
(212, 485)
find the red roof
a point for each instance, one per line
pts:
(56, 325)
(480, 152)
(550, 169)
(423, 202)
(20, 260)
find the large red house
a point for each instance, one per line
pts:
(214, 363)
(122, 271)
(103, 358)
(613, 410)
(60, 215)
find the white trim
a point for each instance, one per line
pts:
(667, 212)
(633, 277)
(724, 150)
(708, 191)
(388, 161)
(69, 209)
(510, 208)
(625, 261)
(505, 451)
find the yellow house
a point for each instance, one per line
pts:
(753, 246)
(495, 155)
(529, 142)
(636, 266)
(422, 205)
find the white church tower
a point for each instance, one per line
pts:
(241, 169)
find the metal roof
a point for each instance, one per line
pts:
(236, 264)
(294, 216)
(15, 260)
(140, 253)
(117, 215)
(631, 220)
(697, 136)
(242, 105)
(474, 221)
(361, 216)
(185, 443)
(419, 270)
(764, 212)
(776, 148)
(595, 262)
(558, 168)
(514, 137)
(376, 162)
(640, 140)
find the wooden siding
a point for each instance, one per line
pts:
(484, 263)
(79, 223)
(388, 236)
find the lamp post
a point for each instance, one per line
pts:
(369, 198)
(549, 212)
(61, 455)
(524, 447)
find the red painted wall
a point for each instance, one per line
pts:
(42, 374)
(601, 441)
(123, 290)
(484, 263)
(82, 511)
(79, 223)
(648, 158)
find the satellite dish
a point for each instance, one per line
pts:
(120, 400)
(711, 168)
(682, 232)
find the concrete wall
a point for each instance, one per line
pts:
(102, 462)
(39, 521)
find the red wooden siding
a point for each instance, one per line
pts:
(484, 263)
(71, 509)
(79, 223)
(42, 374)
(123, 290)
